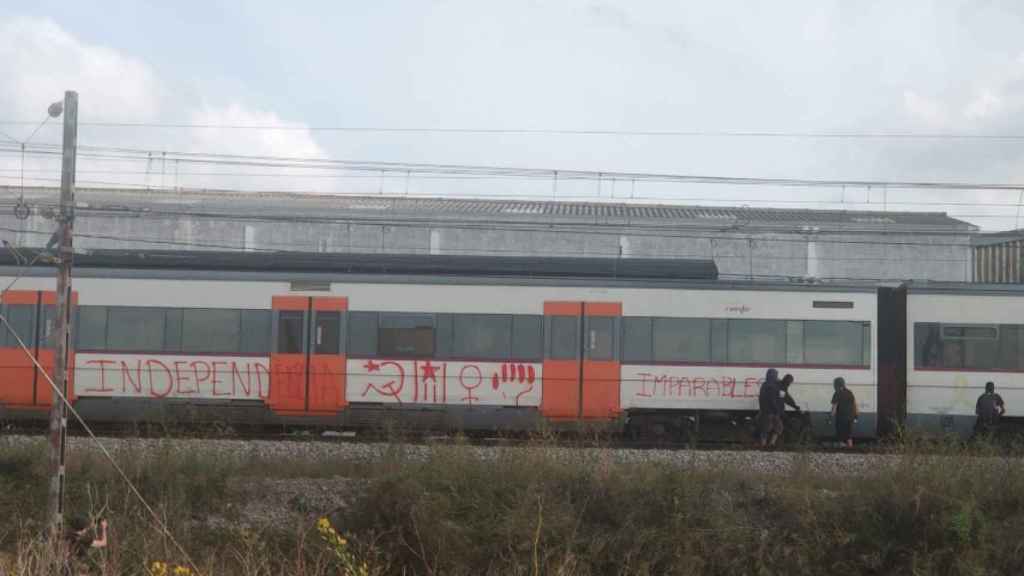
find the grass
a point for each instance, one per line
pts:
(948, 511)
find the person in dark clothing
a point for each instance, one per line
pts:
(768, 400)
(786, 399)
(844, 412)
(989, 410)
(80, 537)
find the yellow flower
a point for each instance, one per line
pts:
(182, 571)
(158, 569)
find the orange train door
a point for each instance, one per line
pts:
(31, 314)
(581, 360)
(307, 365)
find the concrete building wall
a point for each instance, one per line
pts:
(750, 250)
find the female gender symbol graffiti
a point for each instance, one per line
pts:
(469, 398)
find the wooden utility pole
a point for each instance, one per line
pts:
(62, 328)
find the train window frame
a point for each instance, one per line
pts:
(635, 351)
(284, 318)
(173, 332)
(556, 347)
(327, 332)
(473, 327)
(125, 342)
(601, 338)
(361, 339)
(420, 322)
(855, 333)
(527, 337)
(695, 329)
(86, 337)
(257, 331)
(211, 342)
(15, 314)
(734, 334)
(943, 327)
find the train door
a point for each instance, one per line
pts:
(32, 315)
(581, 360)
(307, 365)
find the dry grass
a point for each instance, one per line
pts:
(542, 511)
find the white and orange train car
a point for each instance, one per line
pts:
(466, 343)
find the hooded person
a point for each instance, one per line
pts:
(989, 410)
(844, 412)
(770, 406)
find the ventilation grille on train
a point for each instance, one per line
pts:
(311, 286)
(832, 304)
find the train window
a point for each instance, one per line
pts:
(256, 329)
(48, 327)
(833, 343)
(866, 344)
(131, 329)
(327, 333)
(92, 328)
(564, 338)
(974, 347)
(22, 318)
(443, 335)
(757, 341)
(969, 332)
(682, 340)
(482, 337)
(403, 334)
(600, 338)
(211, 330)
(636, 340)
(290, 326)
(527, 337)
(362, 334)
(172, 329)
(1011, 348)
(719, 340)
(794, 342)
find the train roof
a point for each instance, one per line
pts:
(389, 264)
(965, 288)
(309, 270)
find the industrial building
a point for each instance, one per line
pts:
(998, 258)
(745, 243)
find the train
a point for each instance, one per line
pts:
(649, 347)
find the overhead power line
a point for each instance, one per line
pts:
(694, 133)
(555, 174)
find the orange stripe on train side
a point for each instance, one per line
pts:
(561, 308)
(330, 303)
(289, 302)
(20, 297)
(603, 308)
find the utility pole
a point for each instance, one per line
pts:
(62, 328)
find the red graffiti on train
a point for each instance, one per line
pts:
(668, 386)
(444, 382)
(173, 377)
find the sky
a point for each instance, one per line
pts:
(814, 66)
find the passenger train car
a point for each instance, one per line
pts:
(475, 343)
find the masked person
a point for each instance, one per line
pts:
(989, 410)
(768, 400)
(844, 412)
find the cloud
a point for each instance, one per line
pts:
(39, 60)
(984, 105)
(928, 111)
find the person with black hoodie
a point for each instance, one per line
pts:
(768, 400)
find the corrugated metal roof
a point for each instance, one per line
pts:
(998, 237)
(262, 203)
